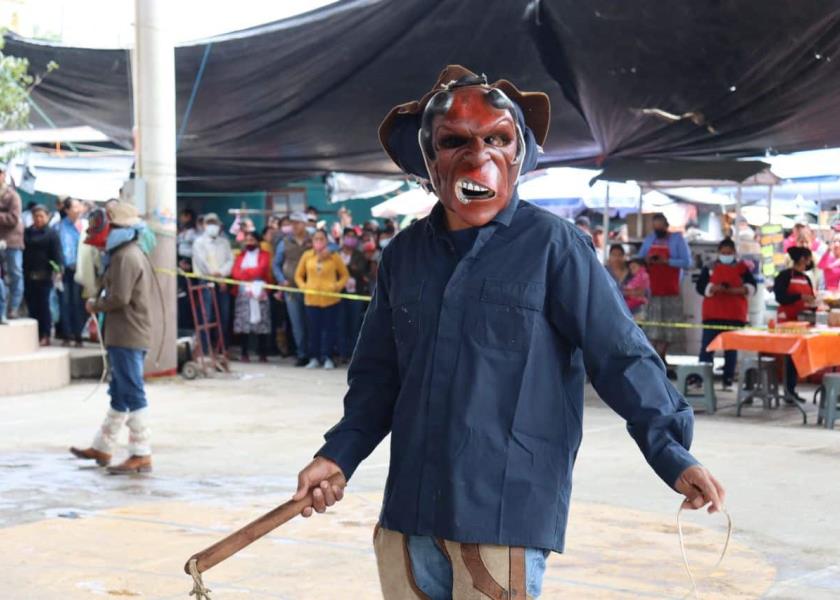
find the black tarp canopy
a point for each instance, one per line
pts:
(642, 80)
(629, 169)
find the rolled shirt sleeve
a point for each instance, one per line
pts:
(680, 253)
(624, 369)
(374, 384)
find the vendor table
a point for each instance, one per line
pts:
(811, 350)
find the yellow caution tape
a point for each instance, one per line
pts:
(362, 298)
(268, 286)
(697, 326)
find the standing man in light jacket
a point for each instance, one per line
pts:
(125, 299)
(667, 255)
(213, 257)
(11, 232)
(486, 317)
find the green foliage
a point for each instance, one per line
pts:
(15, 85)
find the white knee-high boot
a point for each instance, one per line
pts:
(139, 434)
(106, 438)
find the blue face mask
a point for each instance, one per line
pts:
(726, 259)
(311, 230)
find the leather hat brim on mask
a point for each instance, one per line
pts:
(398, 132)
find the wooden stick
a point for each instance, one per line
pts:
(236, 541)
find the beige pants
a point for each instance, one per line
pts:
(479, 571)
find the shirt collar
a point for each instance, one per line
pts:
(436, 224)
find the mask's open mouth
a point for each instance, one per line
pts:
(468, 191)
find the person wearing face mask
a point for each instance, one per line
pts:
(213, 257)
(830, 265)
(251, 314)
(350, 311)
(312, 215)
(321, 270)
(385, 236)
(795, 294)
(667, 255)
(486, 319)
(287, 255)
(725, 287)
(285, 228)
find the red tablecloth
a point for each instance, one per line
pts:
(811, 351)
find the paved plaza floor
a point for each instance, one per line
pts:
(228, 449)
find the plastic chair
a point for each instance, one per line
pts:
(828, 402)
(705, 371)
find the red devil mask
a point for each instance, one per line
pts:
(475, 139)
(473, 148)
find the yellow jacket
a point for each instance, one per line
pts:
(322, 275)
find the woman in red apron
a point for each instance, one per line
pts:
(795, 294)
(725, 287)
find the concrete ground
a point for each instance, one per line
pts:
(228, 449)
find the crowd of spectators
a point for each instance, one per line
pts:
(47, 273)
(315, 261)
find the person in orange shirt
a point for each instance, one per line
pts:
(321, 270)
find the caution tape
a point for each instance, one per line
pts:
(765, 329)
(698, 326)
(267, 286)
(363, 298)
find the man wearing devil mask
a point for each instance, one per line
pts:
(485, 319)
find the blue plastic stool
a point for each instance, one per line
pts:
(704, 371)
(757, 379)
(829, 400)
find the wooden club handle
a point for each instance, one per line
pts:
(236, 541)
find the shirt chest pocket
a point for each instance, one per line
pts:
(507, 313)
(405, 312)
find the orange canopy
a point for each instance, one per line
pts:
(811, 351)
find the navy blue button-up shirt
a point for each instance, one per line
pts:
(475, 365)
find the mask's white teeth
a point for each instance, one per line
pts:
(472, 186)
(465, 185)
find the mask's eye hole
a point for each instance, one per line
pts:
(499, 140)
(452, 141)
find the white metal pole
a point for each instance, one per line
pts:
(606, 249)
(770, 203)
(154, 106)
(737, 216)
(639, 219)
